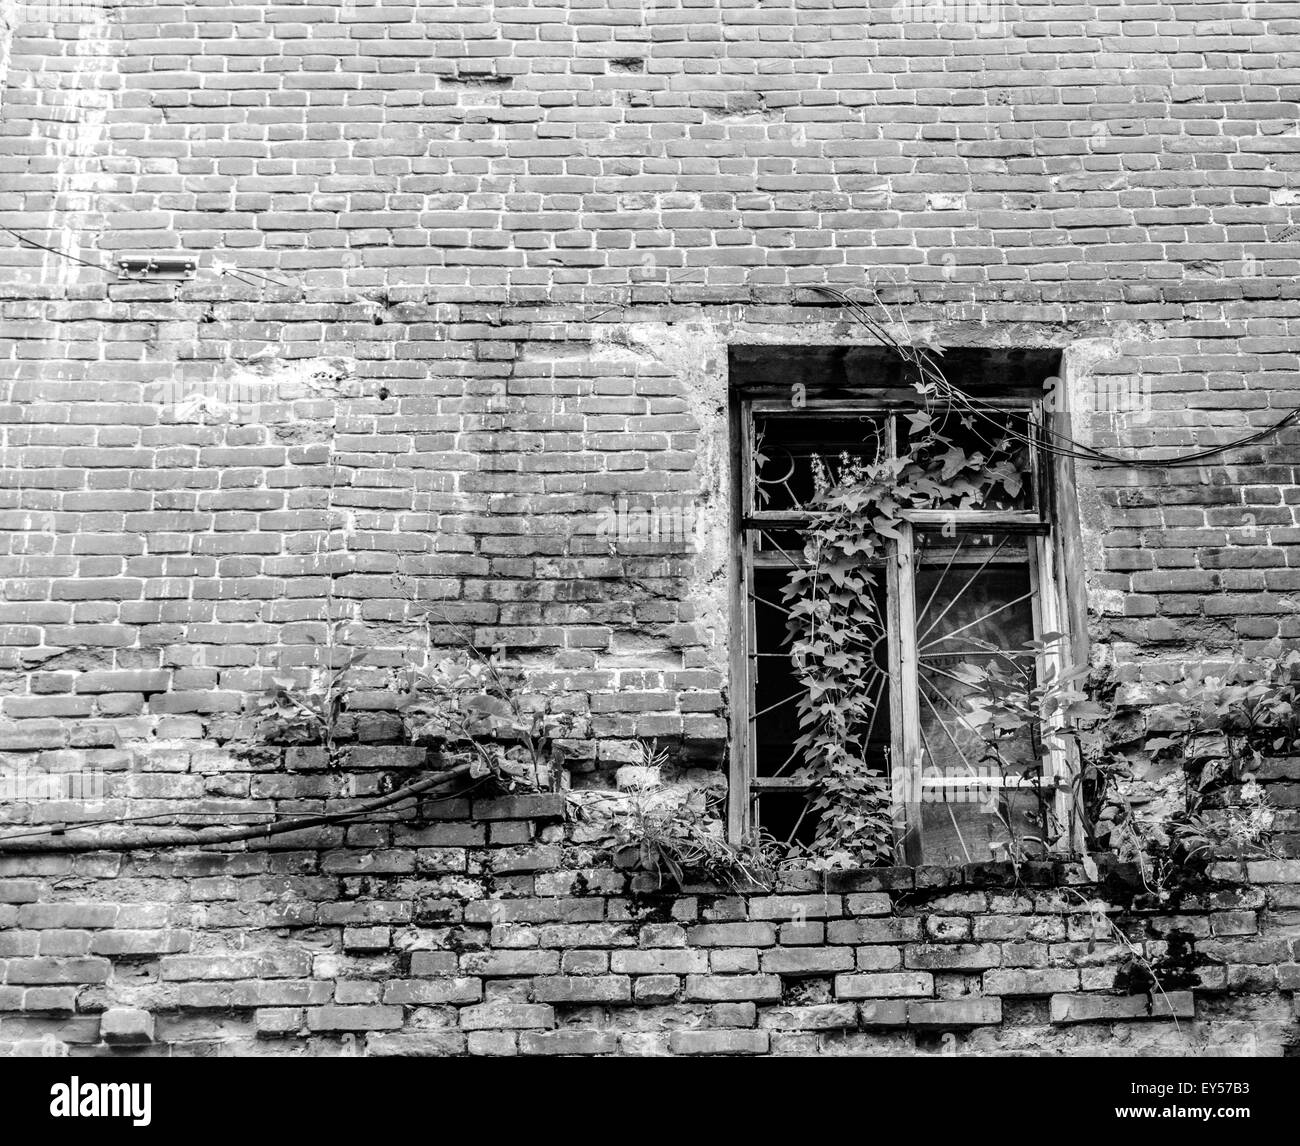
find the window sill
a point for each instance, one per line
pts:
(1065, 871)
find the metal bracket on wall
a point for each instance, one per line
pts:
(156, 267)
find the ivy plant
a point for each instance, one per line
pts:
(1014, 701)
(1221, 727)
(473, 704)
(834, 626)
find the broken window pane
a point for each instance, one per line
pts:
(776, 717)
(974, 603)
(974, 618)
(785, 447)
(786, 817)
(1001, 474)
(777, 688)
(976, 827)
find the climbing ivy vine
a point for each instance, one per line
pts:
(835, 629)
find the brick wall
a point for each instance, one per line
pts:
(487, 930)
(468, 276)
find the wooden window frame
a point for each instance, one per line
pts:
(1055, 563)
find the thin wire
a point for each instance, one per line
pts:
(1088, 453)
(238, 274)
(268, 278)
(53, 251)
(631, 286)
(931, 373)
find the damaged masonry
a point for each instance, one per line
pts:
(649, 530)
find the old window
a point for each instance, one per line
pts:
(956, 587)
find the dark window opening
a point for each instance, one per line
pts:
(965, 584)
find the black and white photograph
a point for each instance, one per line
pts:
(687, 530)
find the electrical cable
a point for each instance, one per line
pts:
(114, 821)
(141, 839)
(932, 374)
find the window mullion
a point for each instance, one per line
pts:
(1058, 764)
(748, 477)
(1039, 470)
(742, 636)
(905, 703)
(741, 807)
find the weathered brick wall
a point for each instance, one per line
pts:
(485, 264)
(486, 930)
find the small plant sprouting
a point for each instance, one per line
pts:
(472, 705)
(1021, 713)
(678, 841)
(294, 713)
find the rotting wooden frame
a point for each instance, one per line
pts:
(1055, 562)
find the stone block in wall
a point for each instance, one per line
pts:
(354, 1018)
(416, 1044)
(126, 1025)
(884, 985)
(972, 1012)
(568, 1042)
(802, 961)
(735, 1042)
(278, 1021)
(1046, 981)
(543, 806)
(730, 988)
(582, 989)
(499, 1016)
(819, 1017)
(883, 1013)
(1089, 1008)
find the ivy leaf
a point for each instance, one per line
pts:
(953, 462)
(919, 421)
